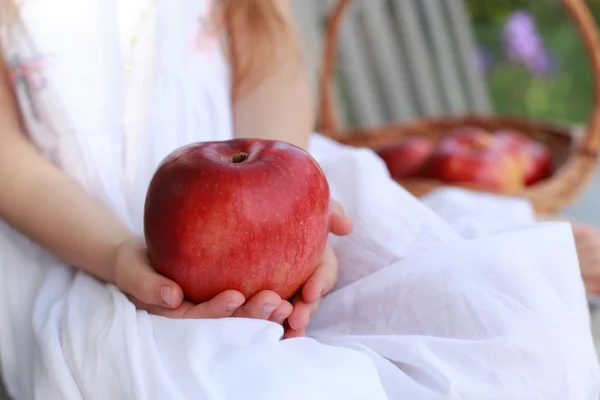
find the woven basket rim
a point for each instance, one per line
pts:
(549, 195)
(578, 10)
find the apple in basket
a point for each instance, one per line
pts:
(406, 157)
(244, 214)
(535, 157)
(475, 157)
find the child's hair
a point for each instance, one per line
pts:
(257, 26)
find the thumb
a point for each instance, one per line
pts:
(339, 223)
(135, 276)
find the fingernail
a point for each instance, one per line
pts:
(268, 309)
(166, 294)
(280, 318)
(233, 305)
(338, 209)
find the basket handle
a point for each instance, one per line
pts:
(588, 29)
(580, 13)
(329, 124)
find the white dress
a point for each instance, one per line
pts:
(435, 300)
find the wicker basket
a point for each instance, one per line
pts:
(575, 158)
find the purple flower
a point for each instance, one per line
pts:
(524, 45)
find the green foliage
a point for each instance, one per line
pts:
(567, 94)
(485, 11)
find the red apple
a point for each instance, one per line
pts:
(244, 214)
(474, 156)
(406, 158)
(535, 157)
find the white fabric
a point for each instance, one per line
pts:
(436, 300)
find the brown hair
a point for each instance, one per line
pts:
(256, 33)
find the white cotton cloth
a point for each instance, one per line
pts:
(458, 296)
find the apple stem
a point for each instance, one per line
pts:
(239, 157)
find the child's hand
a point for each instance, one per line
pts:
(322, 281)
(587, 240)
(158, 295)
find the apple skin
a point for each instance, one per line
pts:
(476, 157)
(536, 158)
(405, 158)
(213, 224)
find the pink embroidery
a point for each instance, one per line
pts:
(28, 71)
(29, 74)
(205, 38)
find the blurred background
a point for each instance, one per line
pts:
(402, 60)
(534, 63)
(532, 58)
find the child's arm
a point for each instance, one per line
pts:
(45, 205)
(40, 201)
(281, 106)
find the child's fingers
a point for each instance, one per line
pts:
(140, 305)
(136, 277)
(590, 269)
(231, 303)
(261, 306)
(592, 288)
(282, 312)
(291, 333)
(339, 223)
(300, 316)
(221, 306)
(337, 208)
(324, 277)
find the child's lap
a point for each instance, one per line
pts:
(402, 287)
(428, 309)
